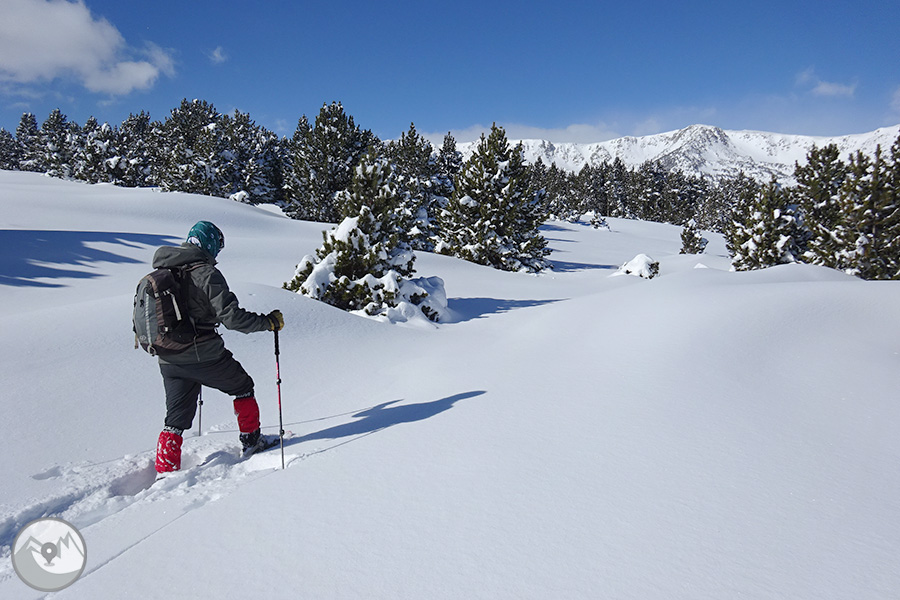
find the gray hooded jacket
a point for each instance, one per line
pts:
(211, 303)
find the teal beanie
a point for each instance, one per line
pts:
(207, 236)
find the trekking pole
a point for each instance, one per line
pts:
(200, 412)
(278, 384)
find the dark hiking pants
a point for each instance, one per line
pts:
(183, 382)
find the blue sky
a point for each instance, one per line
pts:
(560, 70)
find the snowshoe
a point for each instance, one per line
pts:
(257, 442)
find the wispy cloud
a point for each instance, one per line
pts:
(895, 100)
(42, 41)
(819, 87)
(217, 56)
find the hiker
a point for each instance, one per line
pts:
(207, 361)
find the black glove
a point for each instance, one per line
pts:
(276, 320)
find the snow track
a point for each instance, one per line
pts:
(98, 493)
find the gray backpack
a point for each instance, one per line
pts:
(162, 323)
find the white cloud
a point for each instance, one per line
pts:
(808, 79)
(827, 88)
(217, 56)
(41, 40)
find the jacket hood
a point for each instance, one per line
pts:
(176, 256)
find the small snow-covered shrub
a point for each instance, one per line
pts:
(364, 261)
(640, 266)
(692, 240)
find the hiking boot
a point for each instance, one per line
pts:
(254, 442)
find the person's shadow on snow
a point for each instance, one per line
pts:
(383, 416)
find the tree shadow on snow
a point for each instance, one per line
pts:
(562, 266)
(467, 309)
(29, 255)
(382, 416)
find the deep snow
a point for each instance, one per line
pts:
(704, 434)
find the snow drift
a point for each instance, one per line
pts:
(704, 434)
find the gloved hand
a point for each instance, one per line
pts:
(276, 320)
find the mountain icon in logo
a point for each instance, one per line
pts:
(49, 554)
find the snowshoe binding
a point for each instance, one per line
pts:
(257, 442)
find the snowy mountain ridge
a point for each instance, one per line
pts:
(704, 150)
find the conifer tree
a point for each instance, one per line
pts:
(692, 240)
(249, 165)
(264, 175)
(28, 137)
(449, 164)
(616, 189)
(714, 205)
(870, 230)
(188, 144)
(416, 171)
(819, 184)
(135, 141)
(55, 145)
(323, 159)
(9, 151)
(561, 192)
(739, 194)
(364, 261)
(649, 197)
(494, 214)
(96, 156)
(85, 165)
(592, 193)
(769, 232)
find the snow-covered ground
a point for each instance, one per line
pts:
(704, 434)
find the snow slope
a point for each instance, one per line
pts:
(704, 434)
(705, 150)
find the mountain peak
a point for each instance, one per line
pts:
(704, 150)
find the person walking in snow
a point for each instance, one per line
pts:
(207, 362)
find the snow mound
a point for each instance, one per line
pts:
(639, 266)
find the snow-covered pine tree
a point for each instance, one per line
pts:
(494, 214)
(739, 196)
(714, 206)
(364, 262)
(416, 172)
(96, 157)
(692, 240)
(685, 193)
(250, 168)
(264, 174)
(616, 189)
(86, 166)
(135, 142)
(28, 137)
(563, 202)
(649, 199)
(323, 159)
(449, 164)
(9, 151)
(237, 132)
(189, 148)
(819, 184)
(591, 192)
(55, 145)
(870, 230)
(770, 234)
